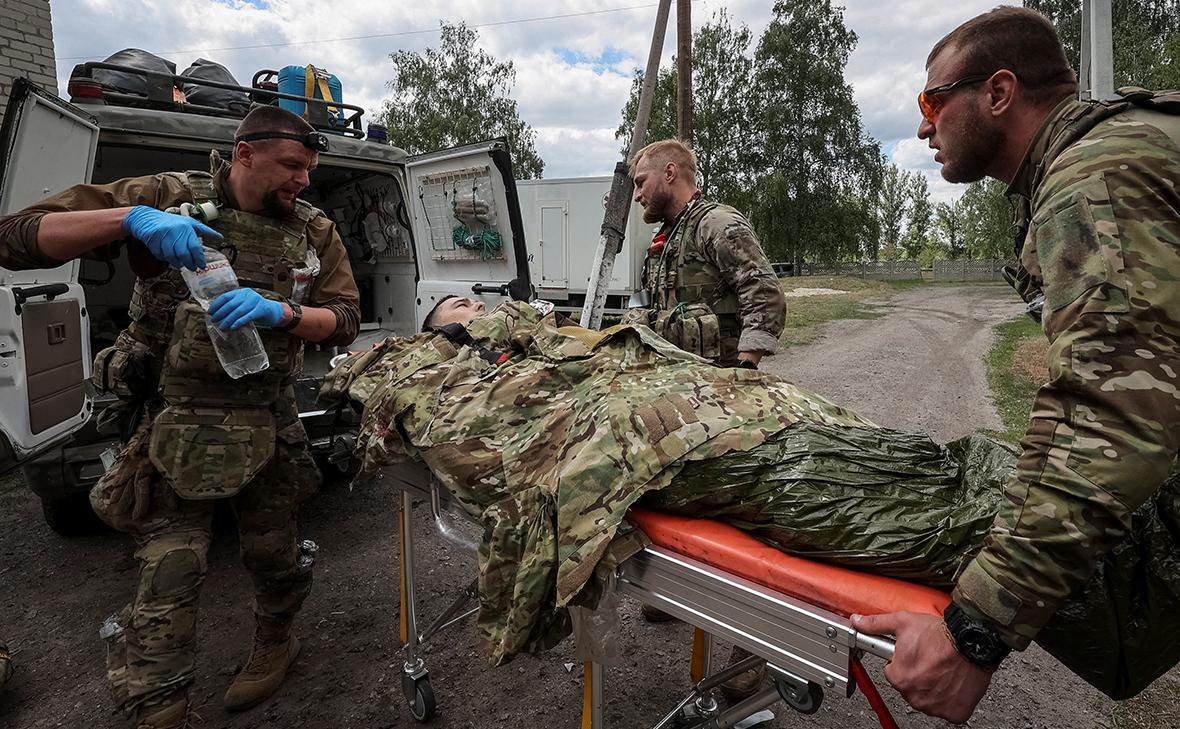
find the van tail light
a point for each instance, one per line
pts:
(85, 90)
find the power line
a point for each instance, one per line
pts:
(386, 35)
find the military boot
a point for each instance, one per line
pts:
(745, 684)
(172, 713)
(274, 651)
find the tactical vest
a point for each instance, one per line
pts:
(1071, 128)
(681, 290)
(216, 432)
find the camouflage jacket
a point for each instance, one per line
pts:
(715, 258)
(550, 448)
(1103, 243)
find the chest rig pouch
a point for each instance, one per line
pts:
(217, 433)
(683, 287)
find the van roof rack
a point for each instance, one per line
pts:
(161, 94)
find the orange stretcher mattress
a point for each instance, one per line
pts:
(842, 591)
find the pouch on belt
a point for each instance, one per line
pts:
(211, 453)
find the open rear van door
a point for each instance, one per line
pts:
(468, 233)
(46, 145)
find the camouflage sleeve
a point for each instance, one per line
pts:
(1104, 429)
(18, 232)
(762, 307)
(335, 288)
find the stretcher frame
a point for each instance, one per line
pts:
(808, 650)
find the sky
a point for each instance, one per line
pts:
(574, 60)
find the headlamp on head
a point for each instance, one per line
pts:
(315, 141)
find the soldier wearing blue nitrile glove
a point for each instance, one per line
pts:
(174, 239)
(241, 306)
(164, 370)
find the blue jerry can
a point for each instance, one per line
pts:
(293, 80)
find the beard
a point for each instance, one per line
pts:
(275, 206)
(657, 207)
(980, 141)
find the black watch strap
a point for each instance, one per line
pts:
(975, 640)
(296, 317)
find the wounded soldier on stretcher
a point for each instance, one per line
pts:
(546, 434)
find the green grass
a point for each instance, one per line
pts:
(807, 314)
(1011, 393)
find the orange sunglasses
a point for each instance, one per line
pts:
(930, 101)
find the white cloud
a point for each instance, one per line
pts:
(570, 152)
(913, 154)
(573, 73)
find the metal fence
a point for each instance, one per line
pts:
(966, 270)
(878, 270)
(957, 270)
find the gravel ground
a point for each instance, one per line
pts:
(917, 367)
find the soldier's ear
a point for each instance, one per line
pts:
(670, 172)
(244, 154)
(1001, 90)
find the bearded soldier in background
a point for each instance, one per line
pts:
(712, 290)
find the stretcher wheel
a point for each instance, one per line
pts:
(419, 697)
(802, 698)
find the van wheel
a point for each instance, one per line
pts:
(71, 516)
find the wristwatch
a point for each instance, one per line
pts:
(975, 640)
(296, 317)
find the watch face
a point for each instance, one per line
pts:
(978, 645)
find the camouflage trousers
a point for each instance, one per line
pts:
(151, 642)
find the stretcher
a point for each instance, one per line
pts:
(790, 612)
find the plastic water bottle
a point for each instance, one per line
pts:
(239, 350)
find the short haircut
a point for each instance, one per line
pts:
(669, 150)
(272, 119)
(1017, 39)
(428, 322)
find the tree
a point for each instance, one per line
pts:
(893, 205)
(1146, 38)
(950, 223)
(457, 94)
(817, 171)
(779, 136)
(722, 133)
(662, 123)
(917, 230)
(987, 220)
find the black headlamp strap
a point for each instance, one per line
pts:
(312, 140)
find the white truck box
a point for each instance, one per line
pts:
(562, 225)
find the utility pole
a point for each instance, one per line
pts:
(684, 70)
(618, 204)
(1096, 67)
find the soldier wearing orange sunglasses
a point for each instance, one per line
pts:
(1098, 227)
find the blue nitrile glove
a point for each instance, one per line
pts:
(174, 239)
(241, 306)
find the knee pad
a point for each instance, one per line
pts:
(173, 572)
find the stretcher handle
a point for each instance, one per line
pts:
(878, 645)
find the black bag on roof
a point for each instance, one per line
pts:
(133, 83)
(236, 101)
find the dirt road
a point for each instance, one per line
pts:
(917, 367)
